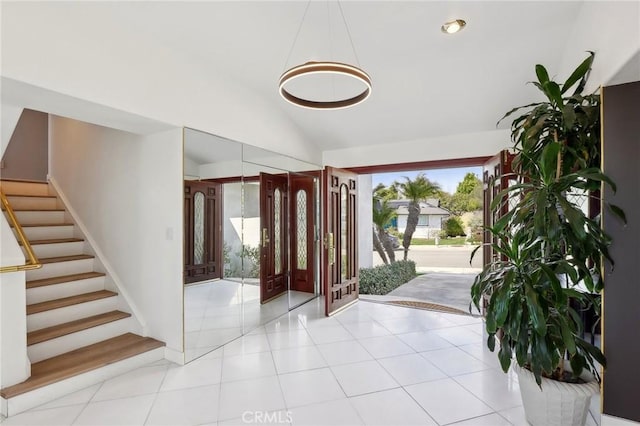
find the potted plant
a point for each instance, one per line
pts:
(548, 251)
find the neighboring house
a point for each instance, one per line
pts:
(429, 221)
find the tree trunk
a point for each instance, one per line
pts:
(412, 222)
(378, 246)
(386, 243)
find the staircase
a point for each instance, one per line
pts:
(75, 330)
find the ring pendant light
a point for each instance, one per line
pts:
(312, 68)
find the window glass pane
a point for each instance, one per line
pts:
(343, 232)
(301, 229)
(277, 240)
(423, 220)
(198, 228)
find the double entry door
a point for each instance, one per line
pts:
(288, 236)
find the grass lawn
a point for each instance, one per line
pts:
(457, 241)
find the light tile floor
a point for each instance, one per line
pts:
(372, 364)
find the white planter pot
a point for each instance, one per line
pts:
(558, 403)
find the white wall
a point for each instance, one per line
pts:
(9, 114)
(14, 362)
(428, 149)
(609, 28)
(127, 190)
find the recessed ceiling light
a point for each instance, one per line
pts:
(453, 27)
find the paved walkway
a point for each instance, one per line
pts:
(448, 289)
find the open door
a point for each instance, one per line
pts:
(340, 253)
(495, 179)
(273, 237)
(202, 231)
(302, 258)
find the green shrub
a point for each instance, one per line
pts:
(453, 227)
(384, 278)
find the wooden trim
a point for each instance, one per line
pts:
(421, 165)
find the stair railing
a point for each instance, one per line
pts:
(32, 262)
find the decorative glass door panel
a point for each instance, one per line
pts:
(203, 231)
(340, 239)
(303, 235)
(274, 242)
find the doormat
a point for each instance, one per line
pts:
(429, 306)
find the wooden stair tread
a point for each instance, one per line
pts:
(56, 209)
(31, 195)
(56, 241)
(63, 279)
(68, 301)
(56, 259)
(59, 330)
(41, 182)
(82, 360)
(36, 225)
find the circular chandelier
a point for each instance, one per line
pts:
(313, 68)
(331, 68)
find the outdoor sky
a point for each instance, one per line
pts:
(447, 178)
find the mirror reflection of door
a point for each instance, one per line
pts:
(494, 180)
(202, 231)
(273, 236)
(340, 240)
(302, 258)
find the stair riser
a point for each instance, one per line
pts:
(24, 188)
(34, 203)
(67, 289)
(57, 249)
(54, 391)
(70, 313)
(48, 232)
(61, 268)
(35, 217)
(62, 344)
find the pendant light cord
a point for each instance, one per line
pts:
(353, 48)
(295, 39)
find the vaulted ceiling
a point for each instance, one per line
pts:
(425, 83)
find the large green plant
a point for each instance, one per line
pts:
(545, 245)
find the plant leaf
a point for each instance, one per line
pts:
(537, 316)
(543, 75)
(578, 73)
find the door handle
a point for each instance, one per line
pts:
(331, 249)
(265, 237)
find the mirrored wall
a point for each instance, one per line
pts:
(251, 236)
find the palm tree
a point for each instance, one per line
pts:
(416, 190)
(382, 215)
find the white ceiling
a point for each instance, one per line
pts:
(425, 83)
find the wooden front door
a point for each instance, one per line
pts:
(340, 244)
(302, 235)
(202, 231)
(273, 236)
(495, 178)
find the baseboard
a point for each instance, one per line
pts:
(174, 356)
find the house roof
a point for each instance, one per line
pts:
(424, 209)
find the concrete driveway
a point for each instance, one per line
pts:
(448, 289)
